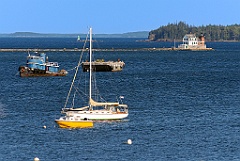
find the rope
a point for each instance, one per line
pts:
(79, 63)
(74, 68)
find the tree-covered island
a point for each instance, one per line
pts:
(176, 31)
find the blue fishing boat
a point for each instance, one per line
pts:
(38, 65)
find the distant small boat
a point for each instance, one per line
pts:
(38, 66)
(82, 40)
(73, 122)
(78, 39)
(103, 66)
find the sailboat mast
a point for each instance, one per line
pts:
(90, 64)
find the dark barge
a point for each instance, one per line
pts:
(103, 66)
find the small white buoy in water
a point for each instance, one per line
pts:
(44, 126)
(36, 159)
(129, 141)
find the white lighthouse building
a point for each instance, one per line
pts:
(190, 41)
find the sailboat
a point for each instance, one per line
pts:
(95, 110)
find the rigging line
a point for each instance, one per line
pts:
(79, 62)
(76, 91)
(97, 96)
(80, 94)
(74, 96)
(73, 99)
(73, 68)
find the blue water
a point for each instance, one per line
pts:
(183, 105)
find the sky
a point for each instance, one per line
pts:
(112, 16)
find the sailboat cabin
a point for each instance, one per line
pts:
(191, 41)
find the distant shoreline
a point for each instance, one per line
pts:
(140, 34)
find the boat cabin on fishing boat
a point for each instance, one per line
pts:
(38, 65)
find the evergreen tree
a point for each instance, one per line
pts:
(210, 32)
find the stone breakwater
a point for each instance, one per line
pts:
(102, 50)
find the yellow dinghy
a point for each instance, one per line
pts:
(73, 122)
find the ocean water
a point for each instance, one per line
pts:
(183, 105)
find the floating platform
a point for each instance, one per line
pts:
(104, 66)
(103, 50)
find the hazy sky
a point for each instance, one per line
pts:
(112, 16)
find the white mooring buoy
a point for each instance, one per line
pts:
(129, 141)
(44, 126)
(36, 159)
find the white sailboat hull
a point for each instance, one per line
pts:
(98, 115)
